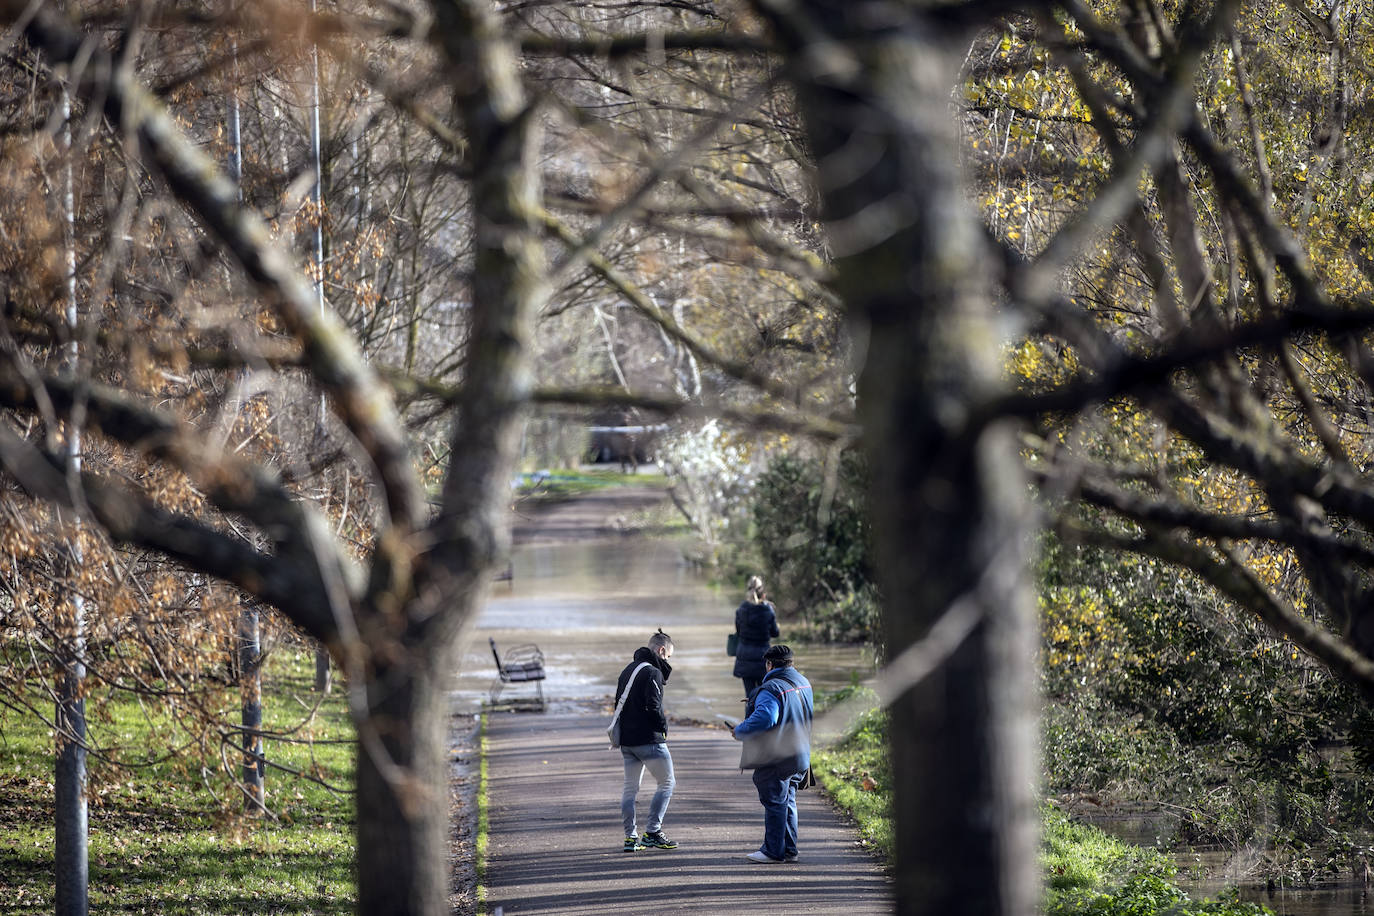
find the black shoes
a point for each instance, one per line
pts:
(657, 841)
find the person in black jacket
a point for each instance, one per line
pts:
(756, 622)
(644, 739)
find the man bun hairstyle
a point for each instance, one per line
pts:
(660, 639)
(780, 656)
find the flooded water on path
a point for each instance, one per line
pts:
(590, 603)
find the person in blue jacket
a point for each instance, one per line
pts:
(776, 733)
(756, 623)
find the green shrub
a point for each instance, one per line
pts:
(1156, 689)
(856, 617)
(813, 534)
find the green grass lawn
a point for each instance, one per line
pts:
(169, 834)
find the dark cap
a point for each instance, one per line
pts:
(778, 655)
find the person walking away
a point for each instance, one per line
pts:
(756, 623)
(776, 733)
(644, 740)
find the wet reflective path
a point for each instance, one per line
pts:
(590, 602)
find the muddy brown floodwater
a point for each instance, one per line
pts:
(589, 586)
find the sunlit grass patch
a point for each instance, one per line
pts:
(857, 772)
(169, 833)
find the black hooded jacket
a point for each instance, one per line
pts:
(642, 720)
(755, 624)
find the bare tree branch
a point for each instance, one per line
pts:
(329, 348)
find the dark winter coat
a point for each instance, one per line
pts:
(642, 720)
(755, 624)
(776, 730)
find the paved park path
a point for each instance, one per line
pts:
(555, 834)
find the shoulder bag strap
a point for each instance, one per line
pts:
(625, 695)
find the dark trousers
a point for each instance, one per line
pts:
(751, 684)
(778, 794)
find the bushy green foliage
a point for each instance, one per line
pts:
(855, 617)
(811, 531)
(1149, 895)
(1155, 689)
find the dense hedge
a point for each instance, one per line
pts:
(810, 529)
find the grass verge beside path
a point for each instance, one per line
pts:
(1086, 872)
(169, 835)
(483, 817)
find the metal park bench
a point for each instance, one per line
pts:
(522, 664)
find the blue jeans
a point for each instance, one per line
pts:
(656, 759)
(778, 793)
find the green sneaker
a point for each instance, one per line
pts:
(658, 841)
(632, 844)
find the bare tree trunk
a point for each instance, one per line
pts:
(947, 500)
(323, 677)
(70, 850)
(402, 801)
(403, 808)
(70, 857)
(250, 642)
(250, 683)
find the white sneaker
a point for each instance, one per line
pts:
(763, 858)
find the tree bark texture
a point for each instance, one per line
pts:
(71, 861)
(250, 687)
(403, 806)
(874, 82)
(402, 796)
